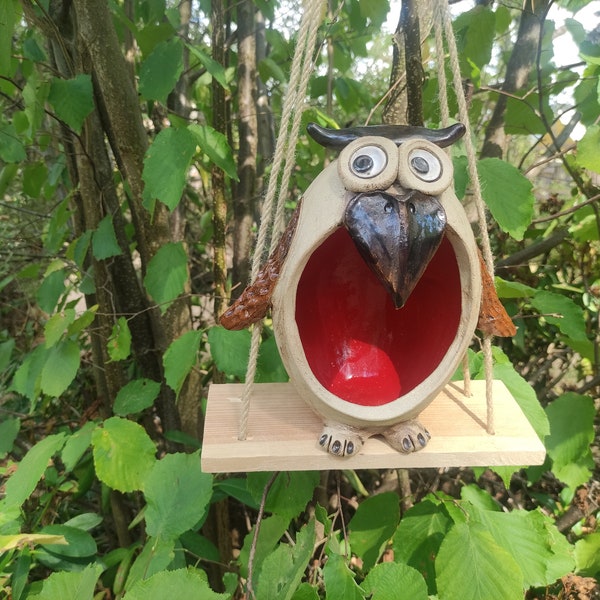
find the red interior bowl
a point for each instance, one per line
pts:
(357, 344)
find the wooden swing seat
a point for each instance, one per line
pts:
(283, 432)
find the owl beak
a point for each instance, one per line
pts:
(397, 236)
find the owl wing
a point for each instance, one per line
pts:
(255, 301)
(493, 318)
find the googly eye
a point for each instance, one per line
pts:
(424, 167)
(368, 163)
(424, 164)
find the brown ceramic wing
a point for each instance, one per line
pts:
(493, 318)
(255, 300)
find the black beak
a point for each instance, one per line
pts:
(396, 236)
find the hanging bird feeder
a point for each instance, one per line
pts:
(376, 292)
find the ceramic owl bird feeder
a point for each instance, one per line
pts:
(375, 286)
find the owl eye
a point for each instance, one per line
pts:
(425, 165)
(368, 162)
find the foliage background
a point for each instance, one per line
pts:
(135, 139)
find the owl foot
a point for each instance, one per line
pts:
(340, 440)
(408, 436)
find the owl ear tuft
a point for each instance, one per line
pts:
(340, 138)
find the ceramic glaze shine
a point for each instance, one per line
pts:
(357, 344)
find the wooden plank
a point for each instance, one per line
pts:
(283, 433)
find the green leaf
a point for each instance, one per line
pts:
(76, 445)
(199, 546)
(77, 585)
(85, 521)
(472, 566)
(283, 569)
(508, 195)
(177, 494)
(230, 350)
(212, 66)
(123, 454)
(119, 342)
(562, 312)
(9, 429)
(236, 488)
(60, 368)
(513, 289)
(136, 396)
(104, 240)
(72, 99)
(587, 555)
(587, 149)
(167, 274)
(522, 534)
(270, 367)
(79, 544)
(525, 396)
(35, 175)
(180, 358)
(476, 29)
(11, 147)
(269, 68)
(56, 325)
(393, 580)
(419, 535)
(479, 498)
(289, 494)
(160, 72)
(214, 144)
(339, 580)
(31, 468)
(166, 166)
(26, 380)
(6, 350)
(571, 418)
(190, 584)
(155, 557)
(270, 532)
(51, 289)
(372, 526)
(83, 321)
(305, 591)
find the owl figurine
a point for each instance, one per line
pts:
(375, 286)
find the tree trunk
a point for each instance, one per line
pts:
(414, 25)
(266, 127)
(520, 64)
(243, 205)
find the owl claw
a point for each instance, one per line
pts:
(408, 436)
(340, 440)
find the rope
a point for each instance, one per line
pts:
(444, 22)
(273, 211)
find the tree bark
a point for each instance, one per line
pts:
(520, 64)
(407, 56)
(409, 17)
(244, 200)
(217, 175)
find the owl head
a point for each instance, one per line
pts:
(394, 176)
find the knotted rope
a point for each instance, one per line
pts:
(443, 26)
(283, 164)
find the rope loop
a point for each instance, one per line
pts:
(273, 212)
(443, 26)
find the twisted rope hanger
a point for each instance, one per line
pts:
(283, 164)
(443, 26)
